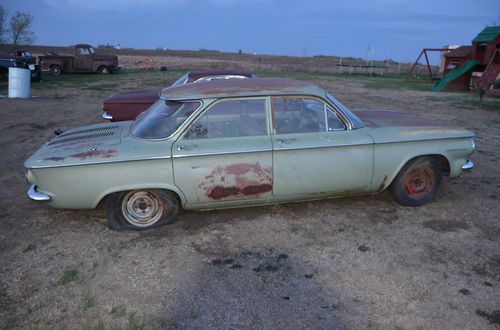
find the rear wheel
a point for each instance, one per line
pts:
(141, 209)
(55, 70)
(417, 183)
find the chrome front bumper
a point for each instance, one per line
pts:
(107, 116)
(37, 196)
(468, 166)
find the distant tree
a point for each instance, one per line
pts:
(3, 30)
(20, 29)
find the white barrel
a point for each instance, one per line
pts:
(19, 83)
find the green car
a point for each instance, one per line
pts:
(232, 143)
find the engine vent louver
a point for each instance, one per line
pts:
(85, 134)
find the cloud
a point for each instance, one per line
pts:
(99, 5)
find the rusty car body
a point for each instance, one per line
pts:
(84, 59)
(128, 105)
(232, 143)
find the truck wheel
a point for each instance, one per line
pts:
(417, 183)
(55, 70)
(141, 209)
(104, 70)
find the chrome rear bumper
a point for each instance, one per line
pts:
(107, 116)
(468, 166)
(37, 196)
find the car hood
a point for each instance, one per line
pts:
(96, 144)
(392, 126)
(139, 96)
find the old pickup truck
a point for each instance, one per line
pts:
(83, 59)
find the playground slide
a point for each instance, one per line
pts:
(452, 75)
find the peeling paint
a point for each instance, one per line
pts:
(94, 153)
(237, 181)
(55, 159)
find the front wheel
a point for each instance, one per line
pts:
(55, 70)
(104, 70)
(141, 209)
(417, 183)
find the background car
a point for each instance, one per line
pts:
(128, 105)
(230, 143)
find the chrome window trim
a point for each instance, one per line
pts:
(338, 105)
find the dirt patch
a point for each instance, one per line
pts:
(445, 225)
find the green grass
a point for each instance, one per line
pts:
(69, 275)
(88, 300)
(135, 323)
(118, 311)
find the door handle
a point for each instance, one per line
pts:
(285, 141)
(188, 147)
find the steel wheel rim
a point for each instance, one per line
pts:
(420, 182)
(142, 208)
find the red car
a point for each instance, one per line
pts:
(128, 105)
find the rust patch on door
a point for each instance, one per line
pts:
(237, 181)
(94, 153)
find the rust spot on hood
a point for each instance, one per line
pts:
(55, 159)
(94, 154)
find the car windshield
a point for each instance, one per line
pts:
(162, 119)
(356, 122)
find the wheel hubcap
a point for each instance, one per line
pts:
(420, 182)
(142, 208)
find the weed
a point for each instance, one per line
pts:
(135, 323)
(295, 228)
(88, 300)
(11, 324)
(30, 247)
(68, 276)
(118, 311)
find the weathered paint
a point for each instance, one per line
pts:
(237, 181)
(385, 118)
(94, 153)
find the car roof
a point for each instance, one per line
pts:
(240, 87)
(197, 74)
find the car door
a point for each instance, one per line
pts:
(226, 153)
(315, 152)
(83, 59)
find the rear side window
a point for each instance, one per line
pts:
(304, 115)
(231, 118)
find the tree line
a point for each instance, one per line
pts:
(17, 30)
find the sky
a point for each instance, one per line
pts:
(377, 29)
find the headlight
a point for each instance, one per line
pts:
(30, 177)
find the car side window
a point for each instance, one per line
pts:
(303, 115)
(230, 118)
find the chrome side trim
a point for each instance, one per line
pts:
(37, 196)
(468, 166)
(99, 162)
(107, 116)
(325, 146)
(427, 139)
(222, 153)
